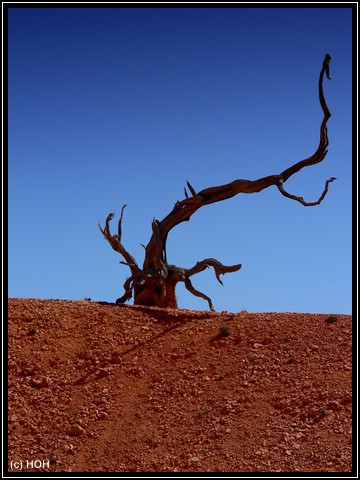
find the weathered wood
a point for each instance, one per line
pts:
(155, 283)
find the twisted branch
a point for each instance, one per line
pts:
(115, 241)
(156, 281)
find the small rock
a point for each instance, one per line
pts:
(69, 448)
(75, 430)
(194, 459)
(103, 372)
(40, 382)
(103, 415)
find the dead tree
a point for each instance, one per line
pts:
(154, 284)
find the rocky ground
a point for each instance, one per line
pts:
(95, 387)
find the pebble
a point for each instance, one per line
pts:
(75, 430)
(194, 459)
(40, 382)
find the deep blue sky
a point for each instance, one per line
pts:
(122, 105)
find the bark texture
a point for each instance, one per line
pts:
(154, 284)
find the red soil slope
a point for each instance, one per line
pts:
(103, 388)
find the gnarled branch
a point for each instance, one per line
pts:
(115, 241)
(155, 283)
(219, 268)
(300, 199)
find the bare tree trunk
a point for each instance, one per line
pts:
(154, 284)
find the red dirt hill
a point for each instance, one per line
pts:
(103, 388)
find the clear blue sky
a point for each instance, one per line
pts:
(109, 106)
